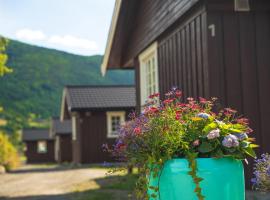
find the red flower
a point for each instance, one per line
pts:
(243, 121)
(178, 93)
(178, 115)
(154, 95)
(137, 131)
(230, 111)
(168, 101)
(202, 100)
(153, 109)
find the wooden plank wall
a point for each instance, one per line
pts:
(152, 18)
(239, 64)
(94, 135)
(65, 150)
(182, 58)
(34, 157)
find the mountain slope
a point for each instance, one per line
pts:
(40, 74)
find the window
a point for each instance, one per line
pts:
(114, 120)
(148, 72)
(42, 147)
(241, 5)
(74, 128)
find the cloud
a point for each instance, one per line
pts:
(72, 41)
(30, 35)
(66, 42)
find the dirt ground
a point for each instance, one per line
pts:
(45, 182)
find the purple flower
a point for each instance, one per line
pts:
(268, 171)
(213, 134)
(241, 136)
(203, 115)
(230, 141)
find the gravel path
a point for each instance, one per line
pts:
(46, 183)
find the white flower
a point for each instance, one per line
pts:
(213, 134)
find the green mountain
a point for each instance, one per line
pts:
(39, 75)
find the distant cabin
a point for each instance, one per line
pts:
(212, 48)
(61, 132)
(96, 113)
(39, 146)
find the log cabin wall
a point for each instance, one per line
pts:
(65, 150)
(182, 56)
(153, 17)
(239, 63)
(34, 157)
(93, 134)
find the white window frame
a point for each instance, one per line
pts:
(121, 114)
(150, 54)
(39, 144)
(74, 127)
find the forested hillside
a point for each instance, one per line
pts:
(39, 75)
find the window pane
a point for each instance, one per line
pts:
(42, 147)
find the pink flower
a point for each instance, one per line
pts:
(137, 131)
(202, 100)
(154, 95)
(196, 143)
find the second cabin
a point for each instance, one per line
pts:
(96, 113)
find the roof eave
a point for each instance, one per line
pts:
(114, 21)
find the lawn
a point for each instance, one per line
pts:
(113, 187)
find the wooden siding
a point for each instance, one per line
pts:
(65, 148)
(182, 58)
(239, 63)
(34, 157)
(152, 18)
(91, 135)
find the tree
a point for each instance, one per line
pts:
(3, 57)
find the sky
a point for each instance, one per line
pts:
(75, 26)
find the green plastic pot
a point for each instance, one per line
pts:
(223, 180)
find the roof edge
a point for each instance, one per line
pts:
(114, 21)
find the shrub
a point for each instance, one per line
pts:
(9, 157)
(261, 181)
(181, 129)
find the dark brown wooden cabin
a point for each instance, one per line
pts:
(207, 48)
(39, 146)
(61, 132)
(95, 112)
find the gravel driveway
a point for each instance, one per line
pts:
(44, 183)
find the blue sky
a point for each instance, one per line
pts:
(76, 26)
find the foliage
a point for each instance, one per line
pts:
(261, 181)
(39, 75)
(9, 157)
(173, 129)
(3, 57)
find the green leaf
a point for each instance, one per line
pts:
(205, 147)
(250, 152)
(254, 146)
(209, 127)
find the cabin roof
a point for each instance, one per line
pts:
(91, 98)
(35, 135)
(122, 25)
(59, 127)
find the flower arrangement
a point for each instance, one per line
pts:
(261, 181)
(180, 129)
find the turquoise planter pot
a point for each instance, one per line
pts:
(223, 180)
